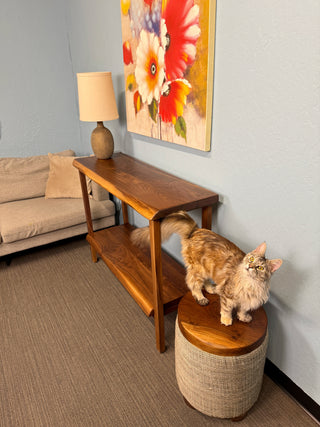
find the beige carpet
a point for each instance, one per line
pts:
(76, 350)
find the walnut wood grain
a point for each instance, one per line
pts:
(85, 199)
(207, 217)
(201, 326)
(156, 273)
(132, 266)
(87, 210)
(154, 279)
(125, 215)
(150, 191)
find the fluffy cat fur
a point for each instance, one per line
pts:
(217, 265)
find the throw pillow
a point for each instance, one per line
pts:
(63, 180)
(25, 177)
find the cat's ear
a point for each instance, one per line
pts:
(274, 264)
(261, 249)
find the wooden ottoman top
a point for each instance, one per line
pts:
(201, 326)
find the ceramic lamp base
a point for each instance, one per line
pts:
(102, 142)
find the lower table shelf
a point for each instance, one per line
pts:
(132, 266)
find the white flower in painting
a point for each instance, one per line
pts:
(149, 70)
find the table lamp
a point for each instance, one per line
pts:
(97, 103)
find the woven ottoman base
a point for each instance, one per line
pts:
(217, 385)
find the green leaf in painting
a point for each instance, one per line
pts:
(153, 110)
(181, 127)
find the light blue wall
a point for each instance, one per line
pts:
(43, 45)
(95, 44)
(37, 100)
(264, 159)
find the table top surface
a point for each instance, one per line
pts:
(202, 327)
(152, 192)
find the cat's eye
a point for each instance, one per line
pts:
(251, 259)
(260, 268)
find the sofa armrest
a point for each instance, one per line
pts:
(99, 193)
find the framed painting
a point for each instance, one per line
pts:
(168, 55)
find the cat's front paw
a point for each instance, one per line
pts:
(203, 301)
(226, 320)
(210, 288)
(244, 317)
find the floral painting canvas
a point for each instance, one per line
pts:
(168, 54)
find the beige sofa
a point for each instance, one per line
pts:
(41, 202)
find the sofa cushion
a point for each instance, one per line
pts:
(24, 177)
(99, 193)
(26, 218)
(63, 180)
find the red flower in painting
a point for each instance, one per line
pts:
(137, 102)
(148, 2)
(173, 99)
(179, 33)
(127, 53)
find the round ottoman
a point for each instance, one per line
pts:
(219, 368)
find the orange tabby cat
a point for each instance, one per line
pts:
(219, 266)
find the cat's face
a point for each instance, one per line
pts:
(257, 266)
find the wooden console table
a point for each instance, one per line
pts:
(152, 277)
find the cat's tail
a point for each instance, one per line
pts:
(178, 222)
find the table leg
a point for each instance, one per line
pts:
(207, 217)
(125, 213)
(87, 210)
(156, 268)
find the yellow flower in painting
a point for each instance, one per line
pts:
(125, 6)
(149, 70)
(131, 82)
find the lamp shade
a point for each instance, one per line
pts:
(97, 102)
